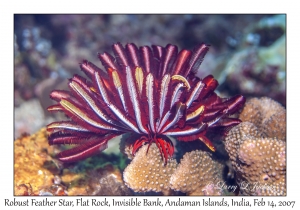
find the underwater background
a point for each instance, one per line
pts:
(247, 56)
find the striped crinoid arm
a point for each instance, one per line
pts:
(200, 111)
(86, 129)
(82, 118)
(119, 96)
(86, 148)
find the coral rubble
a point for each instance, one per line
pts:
(83, 180)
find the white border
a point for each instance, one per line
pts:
(8, 8)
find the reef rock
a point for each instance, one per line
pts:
(259, 68)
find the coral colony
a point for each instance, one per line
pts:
(257, 148)
(149, 93)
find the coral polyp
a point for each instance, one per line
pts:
(150, 93)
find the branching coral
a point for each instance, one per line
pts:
(260, 163)
(147, 171)
(197, 174)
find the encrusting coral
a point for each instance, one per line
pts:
(34, 168)
(36, 172)
(148, 172)
(257, 148)
(198, 174)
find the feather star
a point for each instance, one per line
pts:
(150, 93)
